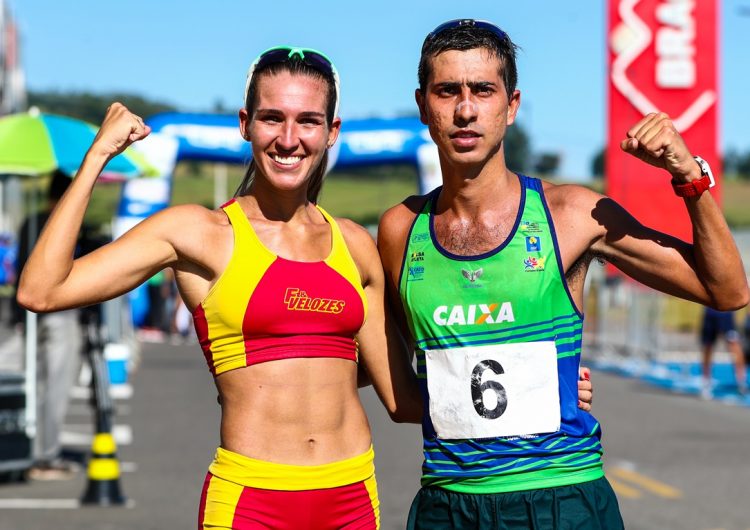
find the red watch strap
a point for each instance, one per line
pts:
(693, 188)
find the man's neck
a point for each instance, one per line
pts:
(470, 189)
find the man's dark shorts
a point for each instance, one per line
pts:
(586, 506)
(718, 323)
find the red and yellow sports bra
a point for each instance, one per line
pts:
(264, 307)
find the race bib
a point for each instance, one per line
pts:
(495, 390)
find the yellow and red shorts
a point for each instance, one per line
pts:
(242, 493)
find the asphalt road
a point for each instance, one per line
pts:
(675, 462)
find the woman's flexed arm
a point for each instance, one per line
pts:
(51, 279)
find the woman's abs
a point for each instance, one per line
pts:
(294, 411)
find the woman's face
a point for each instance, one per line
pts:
(288, 128)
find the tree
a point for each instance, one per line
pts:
(547, 163)
(92, 107)
(517, 148)
(597, 164)
(743, 166)
(219, 107)
(730, 160)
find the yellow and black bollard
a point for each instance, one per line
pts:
(103, 488)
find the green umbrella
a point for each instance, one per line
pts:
(36, 143)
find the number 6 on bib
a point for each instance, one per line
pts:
(495, 390)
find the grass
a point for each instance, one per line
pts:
(359, 195)
(681, 315)
(736, 198)
(362, 194)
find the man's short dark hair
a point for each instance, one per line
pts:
(467, 37)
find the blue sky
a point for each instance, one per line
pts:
(195, 53)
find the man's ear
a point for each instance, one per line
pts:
(513, 105)
(421, 105)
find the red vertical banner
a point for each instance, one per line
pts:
(663, 56)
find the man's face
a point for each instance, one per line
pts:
(466, 105)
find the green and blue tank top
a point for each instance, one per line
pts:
(498, 341)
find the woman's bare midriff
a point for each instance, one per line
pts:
(301, 411)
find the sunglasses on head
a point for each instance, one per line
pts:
(467, 22)
(282, 54)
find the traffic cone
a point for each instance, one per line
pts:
(103, 487)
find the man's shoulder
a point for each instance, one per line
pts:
(403, 213)
(394, 229)
(579, 213)
(569, 197)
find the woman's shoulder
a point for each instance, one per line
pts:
(354, 233)
(188, 225)
(192, 215)
(361, 245)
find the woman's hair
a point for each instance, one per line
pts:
(295, 67)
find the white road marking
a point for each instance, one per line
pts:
(123, 435)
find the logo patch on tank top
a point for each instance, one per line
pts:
(473, 277)
(533, 244)
(530, 227)
(474, 314)
(298, 300)
(420, 238)
(532, 264)
(415, 273)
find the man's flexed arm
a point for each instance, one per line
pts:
(709, 271)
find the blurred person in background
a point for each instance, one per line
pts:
(715, 325)
(157, 326)
(180, 322)
(58, 351)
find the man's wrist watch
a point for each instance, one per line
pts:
(696, 187)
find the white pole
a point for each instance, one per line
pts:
(221, 193)
(30, 351)
(31, 336)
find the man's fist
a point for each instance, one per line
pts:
(655, 140)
